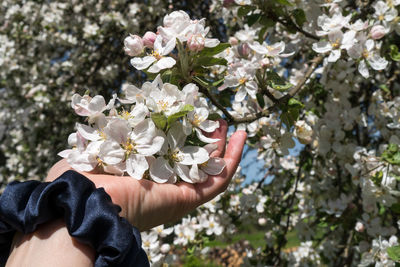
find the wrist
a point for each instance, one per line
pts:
(47, 246)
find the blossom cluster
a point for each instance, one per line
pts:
(154, 137)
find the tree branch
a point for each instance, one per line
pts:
(290, 23)
(229, 117)
(283, 100)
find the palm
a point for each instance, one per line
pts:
(147, 204)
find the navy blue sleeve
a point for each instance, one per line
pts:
(89, 214)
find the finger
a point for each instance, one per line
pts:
(59, 168)
(219, 133)
(201, 193)
(234, 152)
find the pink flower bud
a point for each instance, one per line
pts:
(360, 227)
(262, 221)
(244, 50)
(265, 63)
(377, 32)
(165, 248)
(133, 45)
(149, 38)
(196, 42)
(233, 41)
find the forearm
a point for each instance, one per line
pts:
(50, 245)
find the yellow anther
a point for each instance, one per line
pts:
(204, 164)
(163, 105)
(175, 156)
(102, 135)
(381, 17)
(156, 55)
(336, 44)
(125, 114)
(196, 120)
(242, 81)
(365, 53)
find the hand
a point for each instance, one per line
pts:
(147, 204)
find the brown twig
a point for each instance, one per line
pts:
(295, 90)
(288, 22)
(229, 117)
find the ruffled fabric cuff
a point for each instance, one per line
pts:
(89, 215)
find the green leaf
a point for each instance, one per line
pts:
(377, 178)
(277, 82)
(284, 2)
(392, 154)
(166, 76)
(185, 110)
(396, 208)
(294, 103)
(211, 61)
(214, 116)
(253, 19)
(267, 22)
(201, 81)
(384, 88)
(394, 53)
(299, 16)
(289, 117)
(394, 253)
(244, 10)
(216, 83)
(211, 51)
(159, 120)
(260, 100)
(261, 34)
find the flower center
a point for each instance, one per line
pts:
(381, 17)
(175, 156)
(156, 54)
(242, 80)
(125, 115)
(365, 53)
(102, 135)
(100, 162)
(336, 44)
(163, 105)
(129, 148)
(196, 120)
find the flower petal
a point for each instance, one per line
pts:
(136, 166)
(214, 166)
(334, 55)
(204, 138)
(322, 47)
(363, 69)
(197, 175)
(176, 136)
(209, 126)
(87, 132)
(111, 152)
(183, 172)
(142, 63)
(151, 148)
(193, 155)
(161, 171)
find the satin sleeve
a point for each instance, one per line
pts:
(88, 212)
